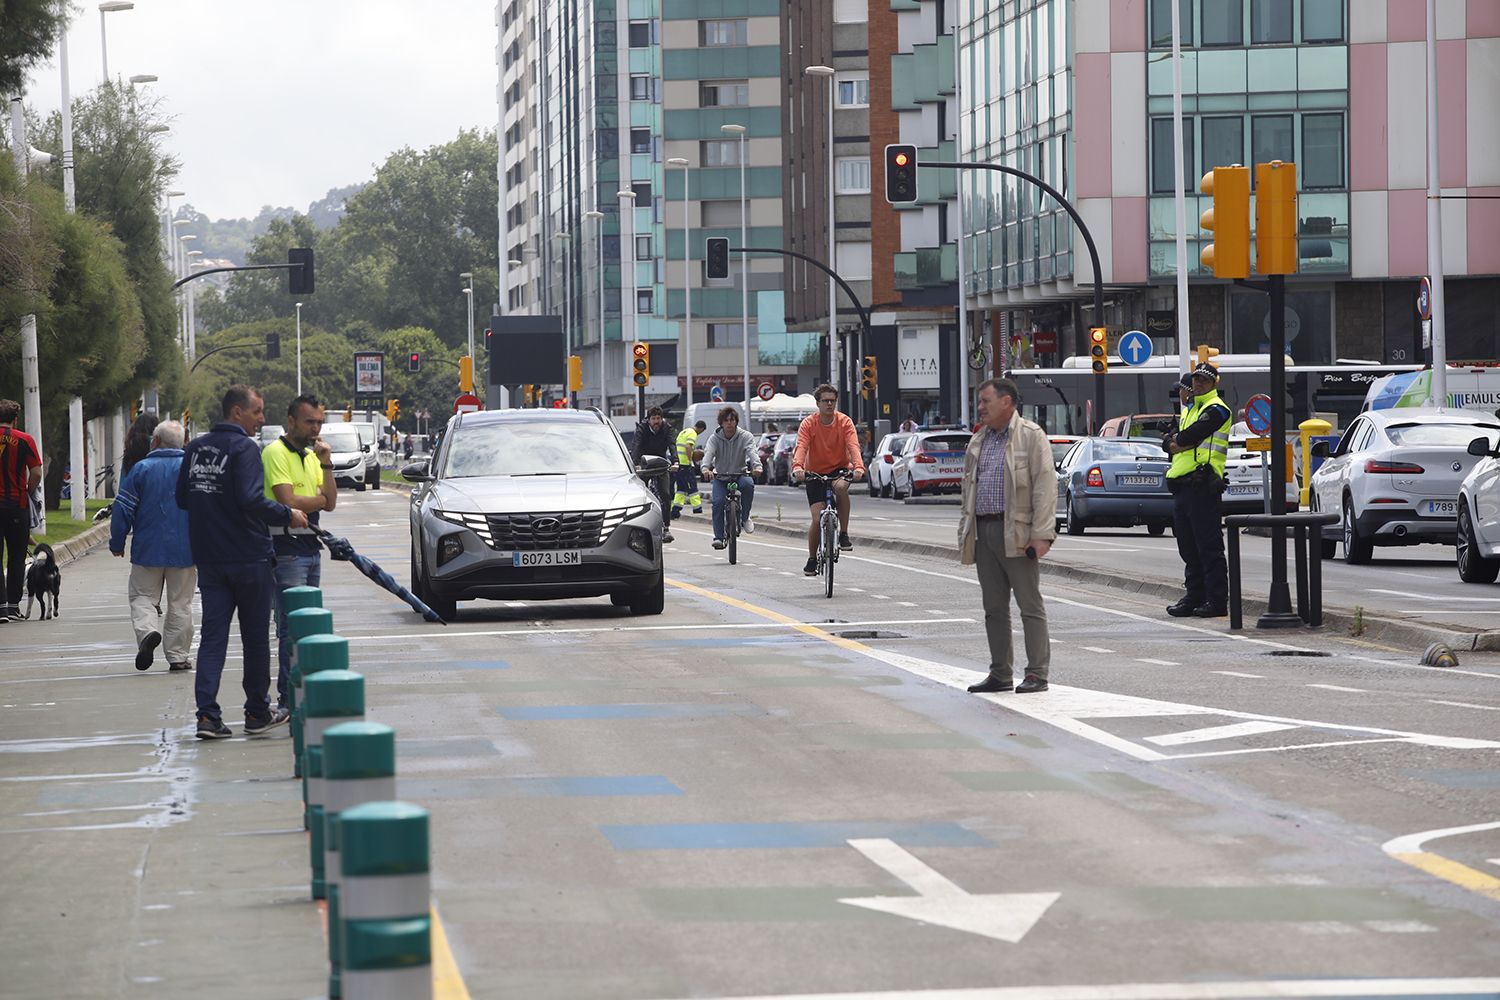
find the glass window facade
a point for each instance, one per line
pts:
(712, 34)
(852, 174)
(724, 93)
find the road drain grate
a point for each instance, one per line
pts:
(869, 634)
(1296, 652)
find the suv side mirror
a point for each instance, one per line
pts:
(652, 466)
(1320, 449)
(416, 472)
(1480, 447)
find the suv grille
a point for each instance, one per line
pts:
(579, 529)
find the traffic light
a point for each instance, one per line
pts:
(187, 417)
(528, 394)
(716, 257)
(135, 409)
(900, 174)
(1205, 352)
(393, 410)
(1228, 256)
(1276, 217)
(575, 372)
(487, 332)
(466, 374)
(348, 414)
(869, 376)
(560, 403)
(640, 364)
(415, 363)
(300, 275)
(273, 346)
(1099, 349)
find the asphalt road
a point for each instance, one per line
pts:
(763, 792)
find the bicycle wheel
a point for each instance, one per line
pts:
(831, 552)
(732, 513)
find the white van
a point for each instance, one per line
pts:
(1468, 389)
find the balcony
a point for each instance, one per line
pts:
(928, 267)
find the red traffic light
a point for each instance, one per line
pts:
(415, 364)
(640, 350)
(902, 159)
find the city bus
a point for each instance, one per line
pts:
(1061, 399)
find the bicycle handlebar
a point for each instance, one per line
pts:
(833, 476)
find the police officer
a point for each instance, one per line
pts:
(1196, 479)
(688, 454)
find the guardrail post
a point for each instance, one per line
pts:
(385, 902)
(1236, 619)
(1315, 576)
(1299, 542)
(302, 623)
(359, 766)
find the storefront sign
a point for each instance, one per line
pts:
(918, 357)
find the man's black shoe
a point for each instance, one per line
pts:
(845, 545)
(1030, 684)
(143, 652)
(1210, 611)
(992, 684)
(811, 569)
(1183, 608)
(212, 729)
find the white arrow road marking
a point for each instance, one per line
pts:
(1230, 732)
(1002, 916)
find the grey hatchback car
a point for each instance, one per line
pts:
(535, 505)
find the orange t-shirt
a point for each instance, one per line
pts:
(822, 448)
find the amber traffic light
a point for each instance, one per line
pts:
(1099, 349)
(1228, 256)
(900, 173)
(1276, 217)
(640, 365)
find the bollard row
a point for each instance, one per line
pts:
(368, 853)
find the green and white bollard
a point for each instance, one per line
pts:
(330, 697)
(302, 623)
(385, 937)
(315, 654)
(359, 766)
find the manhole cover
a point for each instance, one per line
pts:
(869, 634)
(1295, 652)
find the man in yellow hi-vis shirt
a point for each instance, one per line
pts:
(688, 455)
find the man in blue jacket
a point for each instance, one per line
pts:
(161, 561)
(221, 485)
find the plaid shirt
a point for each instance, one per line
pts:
(990, 474)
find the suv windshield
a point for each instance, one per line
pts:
(1452, 435)
(534, 447)
(340, 439)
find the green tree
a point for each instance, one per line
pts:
(327, 368)
(29, 30)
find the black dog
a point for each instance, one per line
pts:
(43, 578)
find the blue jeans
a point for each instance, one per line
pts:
(291, 571)
(721, 493)
(228, 589)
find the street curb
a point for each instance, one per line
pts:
(81, 544)
(1341, 621)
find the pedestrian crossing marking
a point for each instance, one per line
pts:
(1233, 731)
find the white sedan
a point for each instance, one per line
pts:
(1478, 544)
(931, 462)
(883, 463)
(1394, 478)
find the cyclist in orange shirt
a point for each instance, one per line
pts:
(826, 442)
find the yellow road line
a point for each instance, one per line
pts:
(1460, 875)
(447, 981)
(775, 616)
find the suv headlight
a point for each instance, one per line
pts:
(477, 523)
(619, 515)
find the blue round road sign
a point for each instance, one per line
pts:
(1258, 413)
(1424, 299)
(716, 393)
(1134, 347)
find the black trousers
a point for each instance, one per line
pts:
(15, 534)
(1198, 524)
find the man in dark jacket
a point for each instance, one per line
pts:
(654, 436)
(222, 487)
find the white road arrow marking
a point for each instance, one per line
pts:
(1003, 916)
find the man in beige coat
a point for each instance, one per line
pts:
(1006, 525)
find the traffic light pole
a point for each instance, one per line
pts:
(227, 347)
(245, 267)
(1088, 239)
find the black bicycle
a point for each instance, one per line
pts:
(732, 504)
(828, 525)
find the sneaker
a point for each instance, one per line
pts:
(10, 612)
(749, 526)
(143, 652)
(667, 537)
(259, 727)
(844, 544)
(811, 569)
(213, 729)
(178, 668)
(718, 543)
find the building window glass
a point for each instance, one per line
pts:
(1163, 169)
(642, 191)
(1322, 20)
(1224, 22)
(640, 140)
(854, 92)
(1223, 142)
(643, 301)
(1270, 21)
(1161, 23)
(712, 34)
(724, 93)
(850, 12)
(640, 34)
(643, 248)
(852, 174)
(727, 334)
(1271, 139)
(719, 152)
(640, 88)
(1322, 163)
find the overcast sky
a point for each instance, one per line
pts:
(273, 102)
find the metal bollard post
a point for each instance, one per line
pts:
(386, 924)
(331, 697)
(1236, 618)
(1299, 543)
(316, 654)
(302, 623)
(359, 766)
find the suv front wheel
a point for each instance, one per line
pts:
(652, 600)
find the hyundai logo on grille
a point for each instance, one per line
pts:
(546, 526)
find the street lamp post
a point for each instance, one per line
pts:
(627, 267)
(143, 78)
(469, 294)
(567, 261)
(192, 306)
(105, 8)
(299, 348)
(834, 350)
(739, 130)
(598, 218)
(182, 272)
(687, 276)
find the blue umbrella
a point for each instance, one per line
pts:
(341, 550)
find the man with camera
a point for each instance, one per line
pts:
(1199, 449)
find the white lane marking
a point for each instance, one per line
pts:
(1159, 663)
(1336, 687)
(1256, 989)
(907, 604)
(451, 633)
(1213, 733)
(1096, 649)
(1433, 597)
(879, 597)
(936, 611)
(1235, 673)
(1464, 704)
(1412, 842)
(855, 590)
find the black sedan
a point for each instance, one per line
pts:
(1114, 482)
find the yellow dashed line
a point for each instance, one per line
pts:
(1460, 875)
(774, 616)
(447, 981)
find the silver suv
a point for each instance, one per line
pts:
(535, 505)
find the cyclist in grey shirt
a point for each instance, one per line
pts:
(731, 449)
